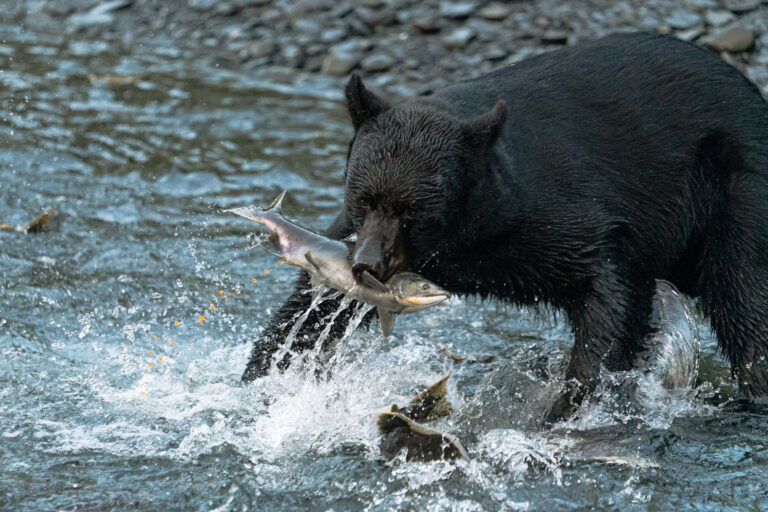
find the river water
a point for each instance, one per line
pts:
(115, 394)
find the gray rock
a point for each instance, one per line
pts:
(342, 58)
(690, 34)
(702, 4)
(251, 3)
(494, 12)
(257, 49)
(457, 10)
(426, 23)
(292, 55)
(377, 62)
(682, 19)
(735, 40)
(718, 18)
(458, 38)
(307, 25)
(100, 14)
(495, 52)
(373, 4)
(555, 36)
(375, 17)
(333, 35)
(226, 8)
(741, 6)
(202, 5)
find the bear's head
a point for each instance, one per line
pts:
(409, 171)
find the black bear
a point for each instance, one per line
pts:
(575, 178)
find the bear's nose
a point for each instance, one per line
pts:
(368, 256)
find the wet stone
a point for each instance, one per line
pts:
(377, 62)
(735, 40)
(682, 19)
(555, 36)
(457, 10)
(702, 4)
(494, 53)
(718, 18)
(333, 35)
(375, 17)
(202, 5)
(494, 12)
(741, 6)
(340, 61)
(426, 23)
(292, 55)
(690, 34)
(257, 50)
(459, 38)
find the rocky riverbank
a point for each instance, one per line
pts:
(403, 47)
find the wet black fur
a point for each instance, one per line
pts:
(576, 178)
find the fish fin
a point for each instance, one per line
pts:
(271, 244)
(394, 408)
(277, 204)
(434, 392)
(371, 282)
(310, 259)
(387, 320)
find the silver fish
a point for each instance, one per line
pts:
(327, 261)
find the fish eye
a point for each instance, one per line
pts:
(425, 286)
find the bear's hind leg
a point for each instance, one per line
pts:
(735, 279)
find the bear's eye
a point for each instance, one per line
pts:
(410, 213)
(363, 203)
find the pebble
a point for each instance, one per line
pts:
(457, 11)
(741, 6)
(340, 61)
(718, 18)
(333, 35)
(691, 34)
(735, 40)
(494, 12)
(292, 55)
(101, 14)
(375, 17)
(458, 38)
(554, 36)
(202, 5)
(495, 52)
(702, 4)
(427, 23)
(377, 62)
(258, 49)
(682, 19)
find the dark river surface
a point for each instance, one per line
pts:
(113, 395)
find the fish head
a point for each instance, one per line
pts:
(415, 292)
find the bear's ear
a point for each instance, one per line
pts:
(362, 104)
(483, 130)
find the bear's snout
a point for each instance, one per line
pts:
(378, 248)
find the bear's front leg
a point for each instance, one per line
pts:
(609, 325)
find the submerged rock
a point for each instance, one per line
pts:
(735, 40)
